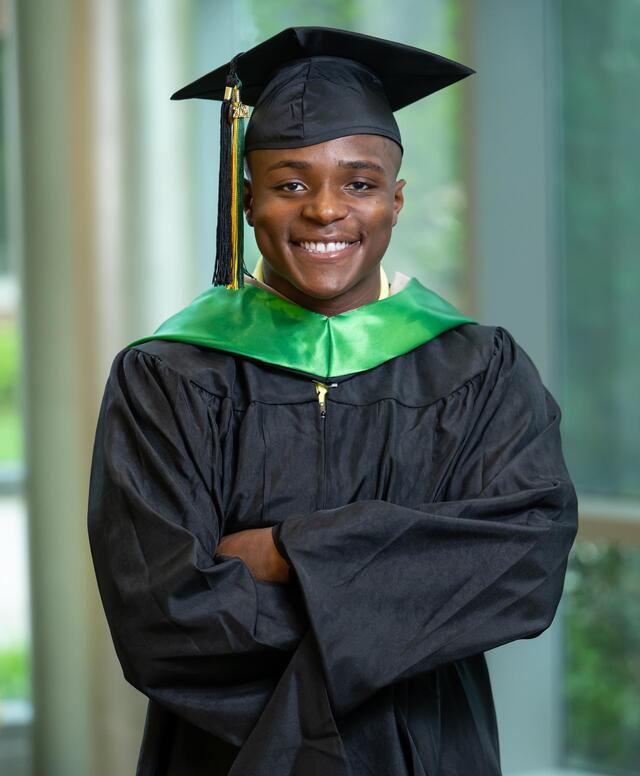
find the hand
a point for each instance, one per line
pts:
(257, 549)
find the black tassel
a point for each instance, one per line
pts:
(229, 266)
(222, 274)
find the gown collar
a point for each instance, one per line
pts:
(259, 324)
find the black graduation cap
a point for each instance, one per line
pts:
(308, 85)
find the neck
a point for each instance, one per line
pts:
(364, 292)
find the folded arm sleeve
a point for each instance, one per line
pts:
(187, 625)
(393, 591)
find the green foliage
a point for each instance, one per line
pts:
(10, 428)
(602, 669)
(10, 436)
(15, 672)
(8, 362)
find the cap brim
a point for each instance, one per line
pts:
(407, 73)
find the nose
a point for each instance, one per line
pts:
(324, 206)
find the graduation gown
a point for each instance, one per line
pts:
(409, 462)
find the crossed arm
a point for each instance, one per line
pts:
(255, 546)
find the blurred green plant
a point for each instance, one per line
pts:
(15, 672)
(8, 361)
(10, 427)
(602, 657)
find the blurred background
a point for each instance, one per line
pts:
(523, 187)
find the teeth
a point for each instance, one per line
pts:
(320, 247)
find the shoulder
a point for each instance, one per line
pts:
(211, 371)
(458, 356)
(459, 362)
(508, 372)
(497, 356)
(474, 348)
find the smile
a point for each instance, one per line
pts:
(325, 247)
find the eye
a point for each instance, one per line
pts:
(289, 186)
(360, 186)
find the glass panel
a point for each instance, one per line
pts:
(599, 174)
(600, 50)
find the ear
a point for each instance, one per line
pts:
(247, 201)
(398, 199)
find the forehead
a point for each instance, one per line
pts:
(352, 148)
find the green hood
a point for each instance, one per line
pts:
(256, 323)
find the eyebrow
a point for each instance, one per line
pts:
(294, 163)
(356, 164)
(361, 164)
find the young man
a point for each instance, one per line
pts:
(316, 498)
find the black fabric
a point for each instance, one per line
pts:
(312, 84)
(428, 518)
(312, 100)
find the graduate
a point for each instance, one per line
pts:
(318, 496)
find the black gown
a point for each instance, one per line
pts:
(427, 517)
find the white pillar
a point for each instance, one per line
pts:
(106, 256)
(54, 50)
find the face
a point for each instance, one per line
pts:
(323, 215)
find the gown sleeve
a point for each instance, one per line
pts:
(187, 625)
(395, 591)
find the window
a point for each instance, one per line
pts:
(600, 173)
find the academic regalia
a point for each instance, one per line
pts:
(427, 517)
(409, 462)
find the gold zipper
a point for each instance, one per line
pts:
(321, 391)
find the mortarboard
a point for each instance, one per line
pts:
(307, 85)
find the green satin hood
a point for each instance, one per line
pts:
(254, 322)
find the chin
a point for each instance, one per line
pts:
(319, 282)
(316, 291)
(320, 290)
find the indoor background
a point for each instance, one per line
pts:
(523, 186)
